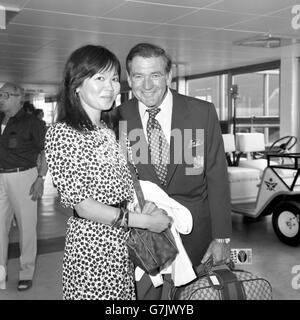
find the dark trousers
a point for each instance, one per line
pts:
(146, 291)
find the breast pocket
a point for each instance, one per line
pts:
(194, 153)
(12, 140)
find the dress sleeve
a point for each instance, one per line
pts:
(67, 165)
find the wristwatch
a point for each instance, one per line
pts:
(42, 177)
(225, 240)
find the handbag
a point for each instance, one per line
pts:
(149, 250)
(223, 282)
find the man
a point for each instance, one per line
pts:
(196, 173)
(21, 183)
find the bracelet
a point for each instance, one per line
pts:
(117, 219)
(121, 219)
(42, 177)
(125, 220)
(225, 240)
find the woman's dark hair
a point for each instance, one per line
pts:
(83, 63)
(148, 50)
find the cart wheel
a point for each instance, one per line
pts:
(286, 223)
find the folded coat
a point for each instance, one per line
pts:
(181, 269)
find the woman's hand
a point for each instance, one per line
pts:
(151, 218)
(158, 219)
(149, 207)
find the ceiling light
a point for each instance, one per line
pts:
(267, 41)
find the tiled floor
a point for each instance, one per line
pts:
(271, 259)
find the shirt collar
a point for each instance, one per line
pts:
(18, 115)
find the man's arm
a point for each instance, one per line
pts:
(37, 188)
(218, 193)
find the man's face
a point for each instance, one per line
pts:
(148, 80)
(9, 100)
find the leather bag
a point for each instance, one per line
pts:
(223, 282)
(148, 250)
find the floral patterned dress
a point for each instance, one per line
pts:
(82, 165)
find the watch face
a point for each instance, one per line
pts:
(241, 256)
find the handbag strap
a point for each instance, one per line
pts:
(137, 186)
(136, 183)
(208, 266)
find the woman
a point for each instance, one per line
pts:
(92, 177)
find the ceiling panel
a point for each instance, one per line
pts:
(225, 36)
(18, 47)
(198, 34)
(211, 18)
(16, 54)
(148, 12)
(268, 24)
(21, 40)
(253, 6)
(175, 31)
(71, 22)
(80, 7)
(284, 13)
(182, 3)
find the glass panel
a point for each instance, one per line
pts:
(211, 89)
(250, 95)
(273, 134)
(258, 93)
(273, 98)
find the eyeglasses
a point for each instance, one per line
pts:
(6, 95)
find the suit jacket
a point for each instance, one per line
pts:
(197, 174)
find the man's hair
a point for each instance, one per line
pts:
(148, 50)
(16, 88)
(82, 64)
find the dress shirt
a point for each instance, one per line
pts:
(164, 117)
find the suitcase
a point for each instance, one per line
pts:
(224, 282)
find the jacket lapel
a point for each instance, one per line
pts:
(180, 121)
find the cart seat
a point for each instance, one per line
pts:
(255, 142)
(243, 181)
(248, 143)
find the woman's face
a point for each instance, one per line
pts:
(99, 92)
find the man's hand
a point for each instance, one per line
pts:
(37, 189)
(220, 253)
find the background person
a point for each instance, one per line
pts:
(204, 191)
(21, 183)
(91, 175)
(29, 107)
(39, 113)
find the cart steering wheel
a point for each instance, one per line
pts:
(283, 144)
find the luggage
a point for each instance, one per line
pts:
(223, 283)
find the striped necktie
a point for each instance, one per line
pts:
(158, 145)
